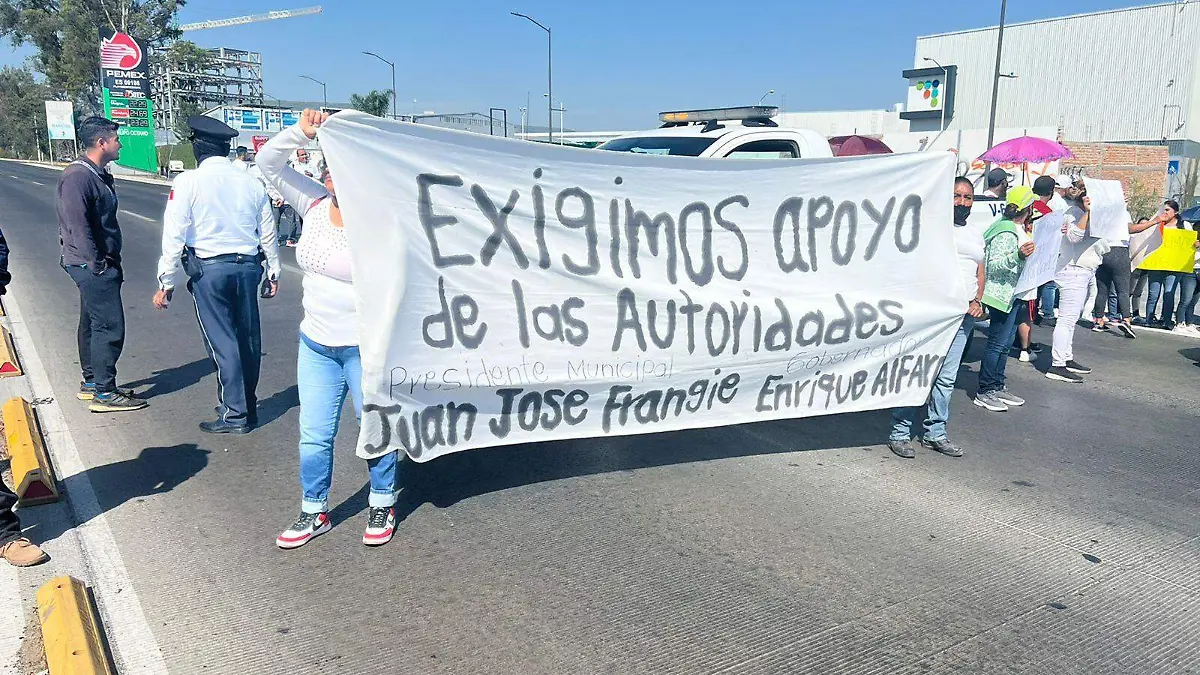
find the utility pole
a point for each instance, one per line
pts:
(996, 79)
(324, 95)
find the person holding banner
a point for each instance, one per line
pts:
(1163, 283)
(1074, 281)
(968, 242)
(328, 365)
(1007, 246)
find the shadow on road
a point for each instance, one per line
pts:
(277, 405)
(171, 380)
(1192, 353)
(154, 471)
(452, 478)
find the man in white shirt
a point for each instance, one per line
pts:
(218, 227)
(997, 184)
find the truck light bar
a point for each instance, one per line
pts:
(719, 114)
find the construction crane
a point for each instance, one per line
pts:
(253, 18)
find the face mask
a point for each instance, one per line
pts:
(961, 211)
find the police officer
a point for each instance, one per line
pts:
(219, 228)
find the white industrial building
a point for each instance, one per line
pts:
(1126, 75)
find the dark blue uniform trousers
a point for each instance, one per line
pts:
(226, 295)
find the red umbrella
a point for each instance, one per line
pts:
(853, 146)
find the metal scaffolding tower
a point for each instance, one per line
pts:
(231, 77)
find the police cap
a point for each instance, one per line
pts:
(206, 128)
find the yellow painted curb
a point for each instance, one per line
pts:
(9, 367)
(71, 629)
(33, 476)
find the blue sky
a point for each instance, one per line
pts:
(617, 63)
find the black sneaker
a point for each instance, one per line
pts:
(116, 401)
(942, 445)
(1078, 368)
(902, 449)
(1126, 330)
(307, 526)
(1061, 374)
(381, 525)
(87, 391)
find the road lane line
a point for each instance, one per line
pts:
(133, 643)
(14, 177)
(35, 182)
(11, 615)
(148, 219)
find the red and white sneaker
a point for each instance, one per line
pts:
(307, 526)
(381, 525)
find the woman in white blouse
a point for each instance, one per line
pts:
(328, 365)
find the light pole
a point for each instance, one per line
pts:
(764, 96)
(524, 115)
(562, 119)
(393, 79)
(996, 79)
(549, 73)
(324, 96)
(946, 85)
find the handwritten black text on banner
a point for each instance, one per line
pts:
(515, 292)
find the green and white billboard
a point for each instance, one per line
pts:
(125, 83)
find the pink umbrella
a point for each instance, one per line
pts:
(1026, 149)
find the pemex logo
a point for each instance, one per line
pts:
(120, 52)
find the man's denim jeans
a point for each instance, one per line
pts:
(324, 375)
(1001, 331)
(937, 409)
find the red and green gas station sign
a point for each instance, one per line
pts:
(125, 85)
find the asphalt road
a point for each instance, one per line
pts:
(1066, 541)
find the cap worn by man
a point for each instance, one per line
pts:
(1043, 186)
(1063, 182)
(997, 177)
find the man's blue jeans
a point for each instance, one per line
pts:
(937, 409)
(1001, 331)
(324, 375)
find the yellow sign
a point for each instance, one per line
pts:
(1177, 253)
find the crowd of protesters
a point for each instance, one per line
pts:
(1095, 283)
(224, 220)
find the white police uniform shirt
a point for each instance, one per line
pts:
(217, 209)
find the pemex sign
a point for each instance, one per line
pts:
(125, 85)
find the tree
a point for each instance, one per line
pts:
(375, 103)
(1143, 199)
(23, 110)
(65, 37)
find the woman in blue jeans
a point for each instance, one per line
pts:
(1164, 284)
(968, 242)
(1007, 246)
(328, 365)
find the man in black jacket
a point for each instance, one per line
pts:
(14, 548)
(91, 254)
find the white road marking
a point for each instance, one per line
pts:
(14, 177)
(12, 621)
(148, 219)
(133, 643)
(36, 183)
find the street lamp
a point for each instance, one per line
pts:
(549, 72)
(324, 96)
(393, 79)
(524, 114)
(996, 78)
(760, 100)
(562, 119)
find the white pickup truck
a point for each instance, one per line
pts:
(736, 133)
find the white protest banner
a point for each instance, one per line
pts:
(513, 292)
(1044, 263)
(1108, 218)
(1143, 244)
(60, 120)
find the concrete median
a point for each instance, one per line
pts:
(33, 476)
(71, 631)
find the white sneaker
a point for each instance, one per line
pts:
(307, 526)
(1025, 357)
(381, 525)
